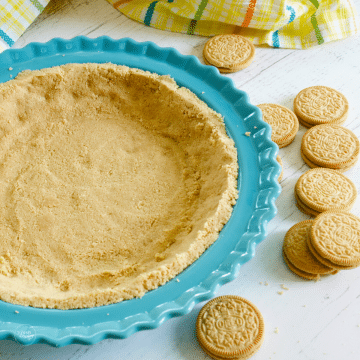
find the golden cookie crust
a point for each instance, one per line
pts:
(317, 105)
(102, 199)
(297, 251)
(331, 146)
(229, 52)
(283, 122)
(323, 189)
(335, 236)
(230, 327)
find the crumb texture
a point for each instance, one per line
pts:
(113, 180)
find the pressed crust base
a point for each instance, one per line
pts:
(113, 181)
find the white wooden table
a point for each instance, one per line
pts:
(314, 320)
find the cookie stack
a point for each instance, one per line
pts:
(230, 327)
(331, 146)
(334, 239)
(229, 53)
(318, 105)
(322, 189)
(297, 255)
(283, 122)
(325, 245)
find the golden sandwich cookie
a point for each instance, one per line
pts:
(318, 105)
(230, 327)
(283, 122)
(330, 146)
(229, 53)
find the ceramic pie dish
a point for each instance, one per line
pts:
(257, 184)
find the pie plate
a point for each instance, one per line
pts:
(220, 263)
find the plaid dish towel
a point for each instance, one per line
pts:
(296, 24)
(15, 18)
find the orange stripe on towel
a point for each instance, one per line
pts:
(249, 13)
(120, 2)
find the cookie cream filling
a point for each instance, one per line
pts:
(113, 181)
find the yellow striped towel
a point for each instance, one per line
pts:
(296, 24)
(15, 18)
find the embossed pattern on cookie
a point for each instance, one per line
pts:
(298, 253)
(330, 146)
(324, 261)
(324, 189)
(336, 236)
(283, 122)
(320, 105)
(230, 327)
(229, 52)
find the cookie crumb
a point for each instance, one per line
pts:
(255, 127)
(284, 287)
(10, 68)
(276, 331)
(177, 280)
(16, 312)
(248, 133)
(203, 92)
(10, 76)
(280, 292)
(108, 314)
(260, 282)
(266, 283)
(63, 55)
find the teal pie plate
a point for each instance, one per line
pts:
(221, 262)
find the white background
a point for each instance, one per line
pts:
(315, 320)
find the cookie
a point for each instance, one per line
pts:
(304, 123)
(278, 158)
(283, 122)
(298, 253)
(318, 105)
(221, 70)
(229, 53)
(335, 236)
(303, 208)
(299, 272)
(230, 327)
(312, 165)
(330, 146)
(325, 261)
(322, 189)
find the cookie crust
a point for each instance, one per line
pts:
(103, 198)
